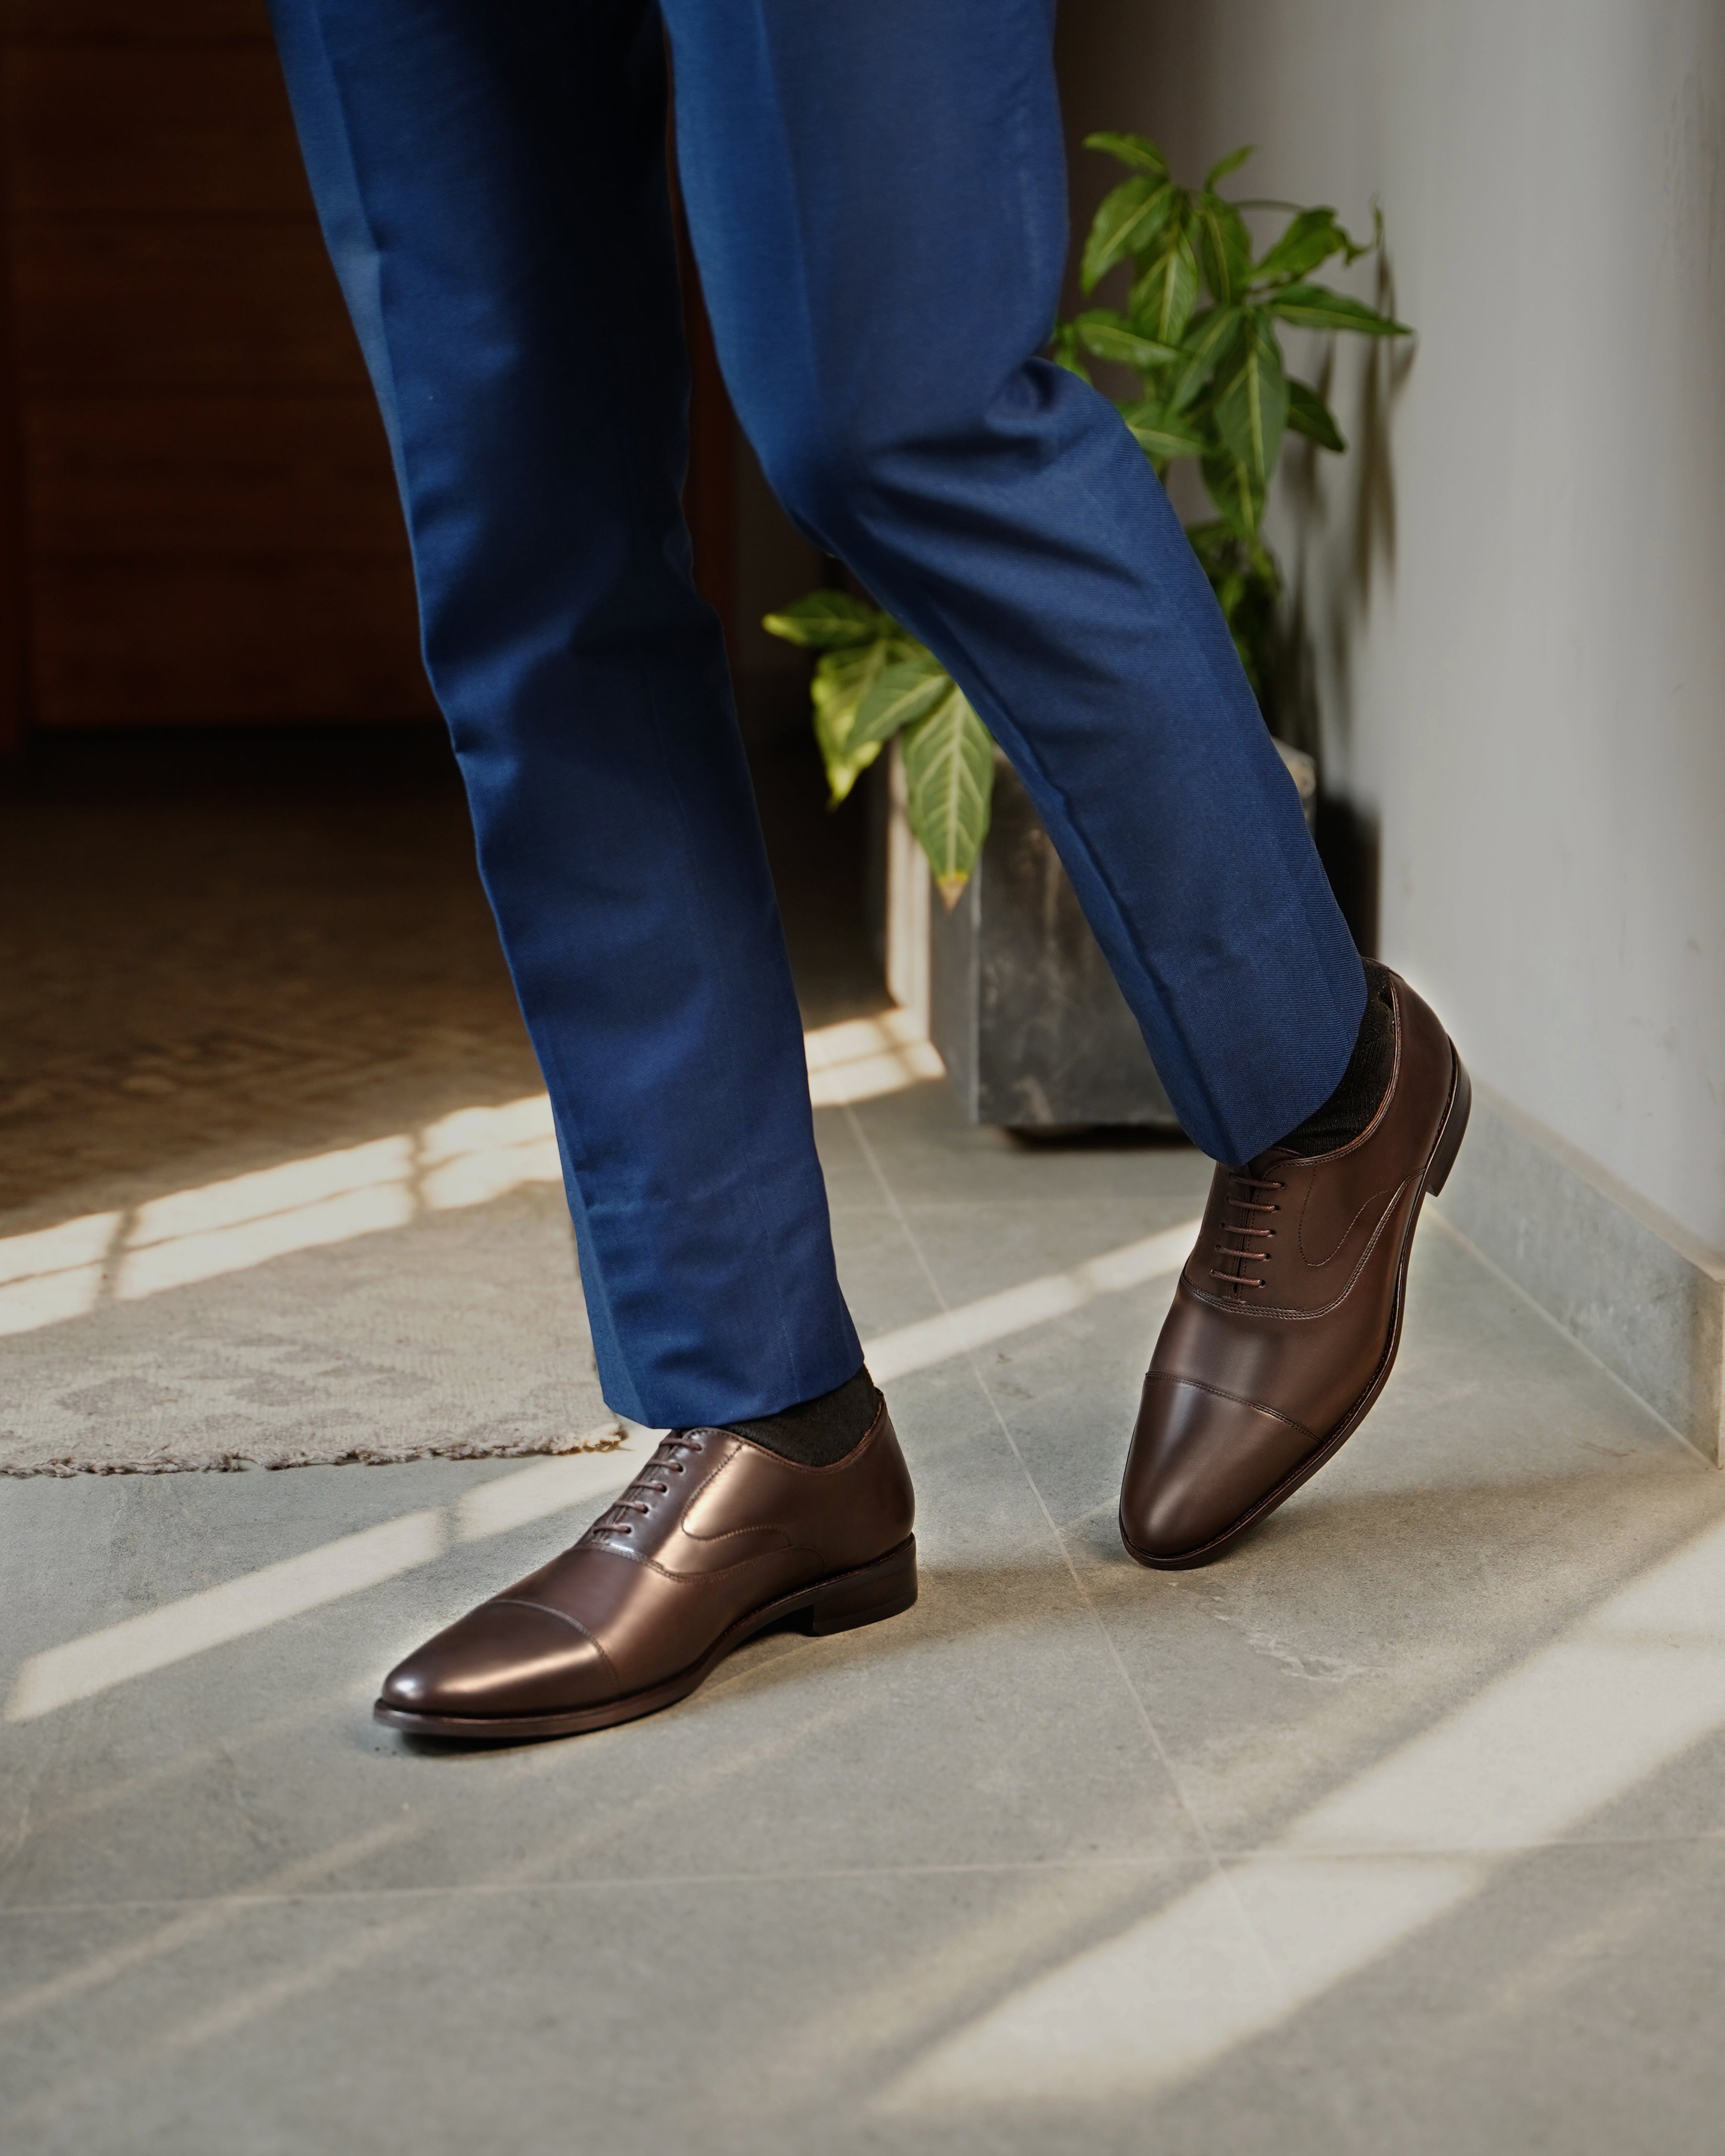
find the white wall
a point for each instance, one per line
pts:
(1518, 604)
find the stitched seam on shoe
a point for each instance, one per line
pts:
(1240, 1399)
(725, 1571)
(1317, 1264)
(515, 1602)
(1303, 1316)
(725, 1534)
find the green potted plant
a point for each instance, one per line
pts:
(1199, 327)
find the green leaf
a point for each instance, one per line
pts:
(1224, 248)
(1063, 351)
(842, 679)
(1231, 163)
(949, 784)
(828, 621)
(1311, 237)
(1137, 151)
(1231, 488)
(1161, 435)
(1315, 307)
(1206, 344)
(899, 695)
(1110, 336)
(1309, 415)
(1127, 222)
(844, 768)
(1167, 291)
(1251, 401)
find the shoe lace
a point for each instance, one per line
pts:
(665, 1461)
(1246, 1194)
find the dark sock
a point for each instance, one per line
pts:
(819, 1432)
(1364, 1082)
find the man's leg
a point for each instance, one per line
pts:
(491, 180)
(877, 199)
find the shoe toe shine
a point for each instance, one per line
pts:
(503, 1658)
(716, 1539)
(1288, 1314)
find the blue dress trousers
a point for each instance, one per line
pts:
(875, 192)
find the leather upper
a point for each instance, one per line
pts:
(714, 1527)
(1285, 1309)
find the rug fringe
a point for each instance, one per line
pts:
(606, 1438)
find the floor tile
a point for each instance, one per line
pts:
(1503, 1489)
(1093, 2007)
(974, 1250)
(883, 1279)
(930, 1155)
(734, 2014)
(215, 1772)
(852, 1183)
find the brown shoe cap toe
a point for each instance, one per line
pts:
(503, 1658)
(1200, 1458)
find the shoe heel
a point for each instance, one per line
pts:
(882, 1589)
(1455, 1129)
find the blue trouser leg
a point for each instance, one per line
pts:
(877, 201)
(491, 175)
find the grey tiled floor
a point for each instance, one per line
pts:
(1400, 1830)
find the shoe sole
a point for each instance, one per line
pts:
(1450, 1132)
(840, 1603)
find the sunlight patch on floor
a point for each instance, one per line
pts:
(466, 1158)
(992, 1317)
(1628, 1689)
(56, 1273)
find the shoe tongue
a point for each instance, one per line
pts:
(1267, 1161)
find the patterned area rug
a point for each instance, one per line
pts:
(277, 1186)
(458, 1333)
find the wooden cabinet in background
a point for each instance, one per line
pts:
(197, 519)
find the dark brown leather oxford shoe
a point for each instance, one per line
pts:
(716, 1539)
(1288, 1315)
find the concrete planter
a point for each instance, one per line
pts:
(1011, 986)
